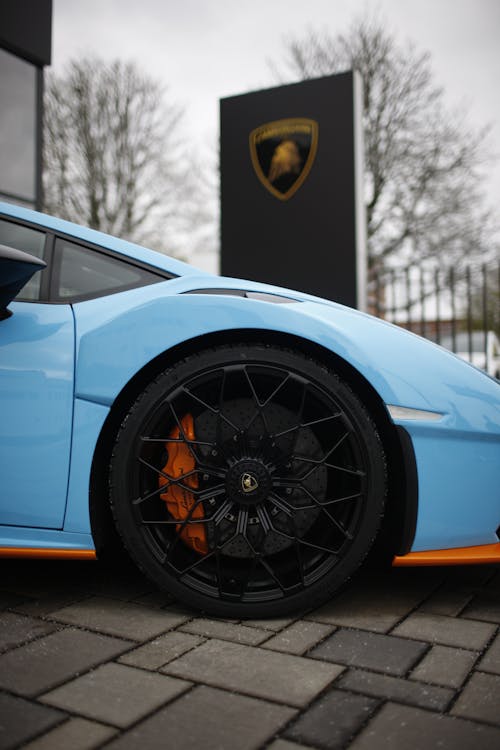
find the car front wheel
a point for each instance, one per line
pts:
(248, 481)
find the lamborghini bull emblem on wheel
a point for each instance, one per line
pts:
(248, 482)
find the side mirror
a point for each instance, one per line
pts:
(16, 269)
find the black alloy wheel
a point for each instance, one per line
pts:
(248, 481)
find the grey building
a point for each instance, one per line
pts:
(25, 48)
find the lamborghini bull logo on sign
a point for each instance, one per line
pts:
(283, 153)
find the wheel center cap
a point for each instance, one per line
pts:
(248, 481)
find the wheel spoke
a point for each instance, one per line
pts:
(211, 409)
(182, 432)
(305, 543)
(210, 493)
(264, 518)
(178, 481)
(224, 509)
(316, 504)
(306, 425)
(242, 523)
(336, 500)
(337, 524)
(267, 567)
(277, 502)
(163, 440)
(263, 404)
(154, 493)
(298, 552)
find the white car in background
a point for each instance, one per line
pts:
(481, 350)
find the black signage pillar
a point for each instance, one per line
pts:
(291, 188)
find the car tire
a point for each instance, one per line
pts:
(248, 481)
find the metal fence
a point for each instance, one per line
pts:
(457, 307)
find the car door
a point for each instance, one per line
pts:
(37, 346)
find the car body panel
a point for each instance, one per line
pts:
(116, 336)
(469, 429)
(36, 404)
(15, 536)
(88, 421)
(142, 323)
(458, 473)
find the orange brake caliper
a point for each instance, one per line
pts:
(179, 500)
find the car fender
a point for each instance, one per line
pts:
(117, 336)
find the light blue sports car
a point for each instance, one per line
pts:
(248, 443)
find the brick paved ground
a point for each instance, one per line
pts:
(93, 657)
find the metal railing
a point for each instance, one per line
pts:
(457, 307)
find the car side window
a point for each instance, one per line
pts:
(82, 273)
(30, 241)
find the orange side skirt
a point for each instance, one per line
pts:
(485, 553)
(54, 554)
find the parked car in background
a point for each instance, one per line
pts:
(480, 348)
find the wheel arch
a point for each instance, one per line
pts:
(398, 526)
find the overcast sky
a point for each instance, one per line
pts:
(207, 49)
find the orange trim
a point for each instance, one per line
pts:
(485, 553)
(43, 552)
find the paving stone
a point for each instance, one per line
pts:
(359, 648)
(41, 607)
(448, 602)
(211, 719)
(16, 629)
(492, 586)
(56, 657)
(117, 570)
(333, 720)
(400, 727)
(484, 608)
(480, 700)
(157, 599)
(226, 631)
(10, 599)
(180, 609)
(445, 666)
(287, 745)
(20, 720)
(35, 579)
(30, 589)
(377, 603)
(163, 649)
(299, 637)
(116, 694)
(469, 576)
(123, 619)
(449, 631)
(77, 734)
(374, 605)
(396, 689)
(255, 671)
(491, 660)
(271, 623)
(125, 588)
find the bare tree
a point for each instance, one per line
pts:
(115, 159)
(423, 164)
